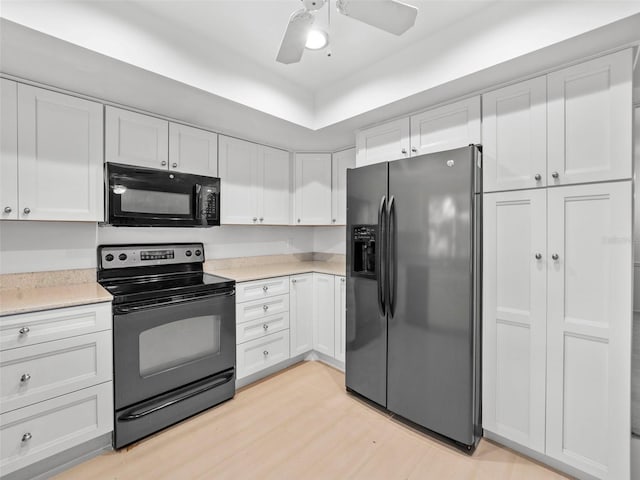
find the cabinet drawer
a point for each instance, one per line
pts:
(257, 289)
(39, 372)
(38, 431)
(261, 353)
(257, 309)
(261, 327)
(37, 327)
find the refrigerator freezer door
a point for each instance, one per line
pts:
(366, 356)
(431, 321)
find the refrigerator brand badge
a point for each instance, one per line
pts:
(450, 163)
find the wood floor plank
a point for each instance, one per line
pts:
(301, 423)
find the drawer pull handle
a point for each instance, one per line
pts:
(266, 327)
(25, 377)
(265, 288)
(293, 280)
(26, 437)
(555, 256)
(265, 353)
(555, 175)
(265, 307)
(24, 330)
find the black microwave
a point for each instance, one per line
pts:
(145, 197)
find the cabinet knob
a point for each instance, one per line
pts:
(404, 151)
(555, 256)
(25, 377)
(26, 437)
(555, 175)
(333, 220)
(538, 256)
(163, 163)
(265, 353)
(24, 330)
(174, 165)
(298, 220)
(8, 209)
(265, 307)
(342, 280)
(538, 177)
(265, 288)
(255, 219)
(27, 210)
(293, 280)
(265, 326)
(261, 219)
(414, 149)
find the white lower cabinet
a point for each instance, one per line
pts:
(55, 382)
(557, 323)
(301, 313)
(324, 311)
(262, 327)
(340, 318)
(261, 353)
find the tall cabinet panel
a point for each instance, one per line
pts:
(274, 186)
(60, 145)
(324, 310)
(313, 189)
(301, 313)
(135, 139)
(192, 150)
(8, 149)
(589, 116)
(514, 136)
(341, 161)
(340, 317)
(237, 163)
(514, 316)
(589, 327)
(383, 143)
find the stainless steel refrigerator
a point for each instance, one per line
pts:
(413, 289)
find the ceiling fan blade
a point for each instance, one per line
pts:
(295, 37)
(389, 15)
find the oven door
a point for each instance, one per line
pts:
(161, 347)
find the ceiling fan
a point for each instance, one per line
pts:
(389, 15)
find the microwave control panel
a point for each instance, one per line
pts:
(209, 204)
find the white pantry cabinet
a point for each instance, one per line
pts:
(301, 313)
(60, 144)
(340, 318)
(8, 149)
(447, 127)
(382, 143)
(589, 320)
(340, 162)
(515, 316)
(590, 120)
(193, 150)
(135, 139)
(514, 136)
(313, 189)
(255, 183)
(324, 311)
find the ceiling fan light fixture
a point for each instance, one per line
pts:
(317, 39)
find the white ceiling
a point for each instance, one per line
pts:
(254, 29)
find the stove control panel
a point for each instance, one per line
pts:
(123, 256)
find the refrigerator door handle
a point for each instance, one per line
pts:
(392, 256)
(382, 214)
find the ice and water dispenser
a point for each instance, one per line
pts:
(364, 251)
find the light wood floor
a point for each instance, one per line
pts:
(301, 424)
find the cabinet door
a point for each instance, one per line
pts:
(383, 143)
(274, 186)
(589, 327)
(238, 162)
(340, 317)
(589, 117)
(324, 311)
(313, 188)
(193, 150)
(443, 128)
(135, 139)
(60, 145)
(514, 316)
(8, 149)
(514, 136)
(340, 162)
(301, 313)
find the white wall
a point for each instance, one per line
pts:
(42, 246)
(635, 370)
(329, 240)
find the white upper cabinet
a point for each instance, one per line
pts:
(192, 150)
(135, 139)
(60, 145)
(589, 327)
(515, 316)
(323, 311)
(238, 172)
(589, 118)
(514, 136)
(383, 143)
(341, 161)
(273, 186)
(340, 318)
(313, 189)
(447, 127)
(8, 149)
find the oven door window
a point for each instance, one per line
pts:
(177, 344)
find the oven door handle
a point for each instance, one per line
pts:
(180, 396)
(123, 309)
